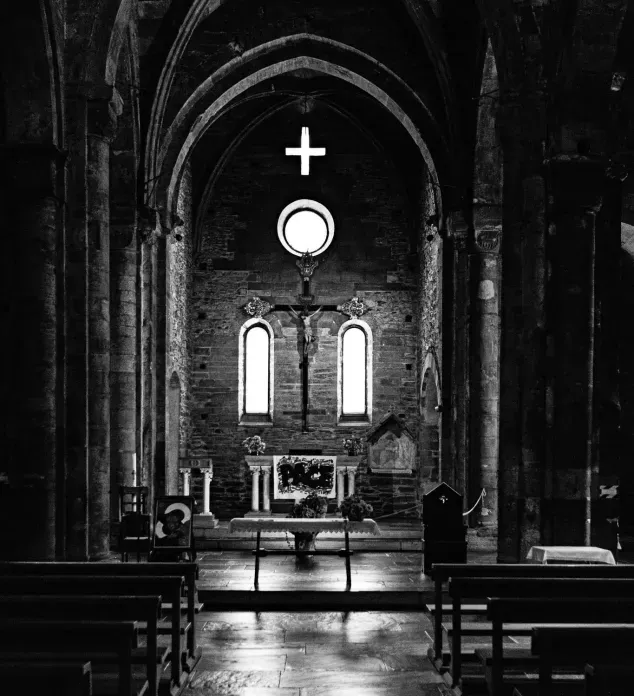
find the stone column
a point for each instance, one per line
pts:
(460, 383)
(577, 185)
(101, 120)
(187, 476)
(208, 475)
(485, 375)
(266, 488)
(523, 432)
(149, 231)
(124, 259)
(340, 484)
(351, 471)
(259, 464)
(30, 178)
(255, 490)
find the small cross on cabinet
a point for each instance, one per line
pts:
(305, 151)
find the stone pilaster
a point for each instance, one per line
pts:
(577, 185)
(460, 382)
(101, 125)
(523, 433)
(31, 180)
(124, 260)
(485, 374)
(148, 273)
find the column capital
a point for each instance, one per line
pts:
(459, 229)
(487, 223)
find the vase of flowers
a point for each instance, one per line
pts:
(352, 445)
(355, 508)
(255, 445)
(310, 507)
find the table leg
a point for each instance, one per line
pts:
(257, 561)
(348, 574)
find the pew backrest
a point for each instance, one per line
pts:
(442, 572)
(168, 586)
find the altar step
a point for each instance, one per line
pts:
(397, 534)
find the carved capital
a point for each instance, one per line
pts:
(148, 226)
(256, 307)
(102, 118)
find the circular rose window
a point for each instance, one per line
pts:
(305, 226)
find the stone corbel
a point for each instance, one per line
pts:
(257, 307)
(148, 226)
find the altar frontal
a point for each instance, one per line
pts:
(297, 475)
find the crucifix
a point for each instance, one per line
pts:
(305, 151)
(304, 312)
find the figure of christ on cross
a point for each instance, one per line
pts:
(304, 317)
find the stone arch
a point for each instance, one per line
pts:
(430, 407)
(175, 158)
(172, 434)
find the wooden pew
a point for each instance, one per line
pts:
(51, 678)
(470, 588)
(525, 613)
(444, 571)
(100, 608)
(601, 645)
(115, 639)
(168, 586)
(189, 571)
(616, 680)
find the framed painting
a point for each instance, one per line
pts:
(173, 524)
(295, 476)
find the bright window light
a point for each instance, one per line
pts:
(305, 226)
(354, 372)
(256, 368)
(306, 231)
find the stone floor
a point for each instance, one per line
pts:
(314, 653)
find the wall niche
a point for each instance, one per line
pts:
(391, 447)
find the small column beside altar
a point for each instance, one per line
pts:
(260, 466)
(347, 467)
(204, 465)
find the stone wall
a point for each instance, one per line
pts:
(240, 256)
(179, 263)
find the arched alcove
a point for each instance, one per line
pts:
(429, 405)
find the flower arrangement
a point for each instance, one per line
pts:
(355, 508)
(312, 505)
(254, 444)
(353, 445)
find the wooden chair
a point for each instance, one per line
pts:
(135, 523)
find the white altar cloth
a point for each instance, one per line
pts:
(301, 524)
(570, 554)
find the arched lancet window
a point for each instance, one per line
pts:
(255, 391)
(354, 402)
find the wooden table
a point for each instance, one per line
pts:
(287, 524)
(570, 554)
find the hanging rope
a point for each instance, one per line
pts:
(483, 495)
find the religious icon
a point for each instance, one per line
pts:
(173, 524)
(307, 329)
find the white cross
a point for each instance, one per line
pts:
(306, 151)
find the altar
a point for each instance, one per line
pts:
(337, 525)
(293, 476)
